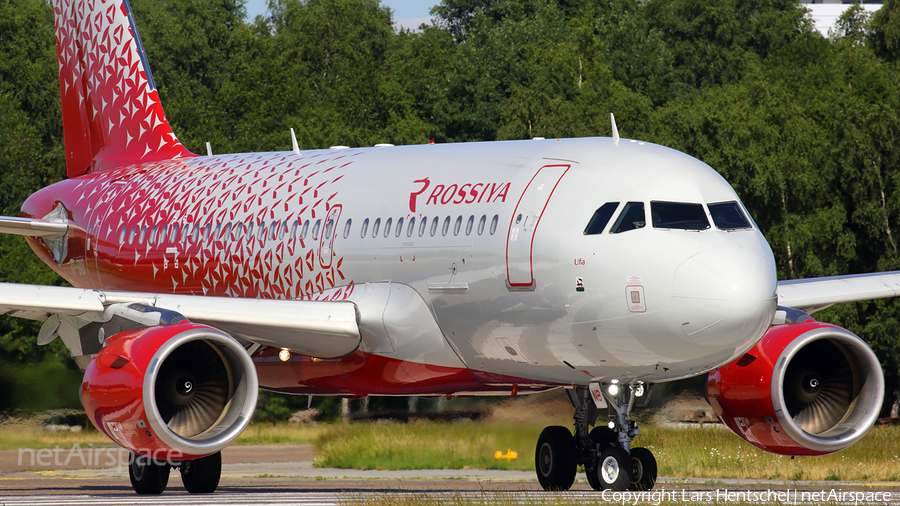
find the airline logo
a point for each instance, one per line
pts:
(456, 193)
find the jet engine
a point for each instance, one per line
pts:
(172, 392)
(805, 389)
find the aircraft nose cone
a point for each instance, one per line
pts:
(725, 296)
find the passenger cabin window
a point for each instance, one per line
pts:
(375, 227)
(469, 225)
(364, 228)
(347, 228)
(316, 230)
(457, 225)
(422, 225)
(632, 218)
(600, 218)
(274, 227)
(329, 229)
(678, 215)
(481, 223)
(494, 222)
(411, 227)
(387, 227)
(434, 225)
(399, 228)
(728, 216)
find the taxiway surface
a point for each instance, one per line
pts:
(283, 475)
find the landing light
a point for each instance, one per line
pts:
(284, 355)
(613, 390)
(639, 390)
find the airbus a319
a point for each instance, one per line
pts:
(597, 265)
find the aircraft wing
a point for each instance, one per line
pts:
(324, 329)
(32, 227)
(814, 294)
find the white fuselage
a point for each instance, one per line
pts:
(497, 250)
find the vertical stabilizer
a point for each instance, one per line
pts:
(111, 110)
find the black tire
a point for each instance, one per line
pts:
(554, 458)
(643, 469)
(147, 476)
(614, 469)
(201, 476)
(604, 437)
(593, 478)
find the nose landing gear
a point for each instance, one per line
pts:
(609, 461)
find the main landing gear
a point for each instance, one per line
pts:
(199, 476)
(609, 461)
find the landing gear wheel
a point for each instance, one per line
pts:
(201, 476)
(614, 469)
(148, 477)
(554, 458)
(605, 438)
(644, 469)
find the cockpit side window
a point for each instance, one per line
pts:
(728, 216)
(632, 217)
(678, 215)
(600, 218)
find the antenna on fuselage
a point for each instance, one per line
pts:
(294, 143)
(208, 149)
(615, 131)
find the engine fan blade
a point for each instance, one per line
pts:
(819, 386)
(192, 388)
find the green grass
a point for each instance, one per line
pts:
(427, 445)
(32, 437)
(281, 433)
(713, 452)
(697, 452)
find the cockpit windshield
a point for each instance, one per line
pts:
(728, 216)
(600, 218)
(632, 218)
(678, 215)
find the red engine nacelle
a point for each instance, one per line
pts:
(804, 389)
(171, 392)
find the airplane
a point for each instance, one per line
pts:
(598, 265)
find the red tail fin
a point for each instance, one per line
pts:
(111, 110)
